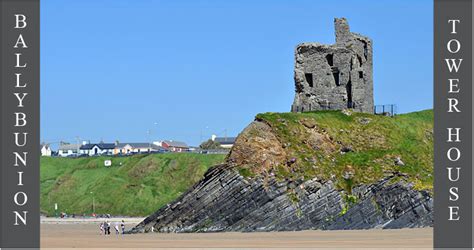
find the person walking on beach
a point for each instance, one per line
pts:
(122, 226)
(107, 227)
(116, 228)
(101, 226)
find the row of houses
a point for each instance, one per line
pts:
(117, 148)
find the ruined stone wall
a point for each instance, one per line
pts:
(335, 76)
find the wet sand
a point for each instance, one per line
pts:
(86, 235)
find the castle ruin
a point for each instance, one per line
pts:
(337, 76)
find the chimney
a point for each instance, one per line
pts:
(343, 33)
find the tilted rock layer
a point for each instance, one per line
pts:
(225, 201)
(270, 183)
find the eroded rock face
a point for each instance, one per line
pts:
(258, 147)
(337, 76)
(226, 201)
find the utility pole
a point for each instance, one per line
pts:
(201, 138)
(93, 203)
(149, 140)
(78, 144)
(56, 210)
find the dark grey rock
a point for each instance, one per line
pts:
(364, 120)
(346, 149)
(225, 201)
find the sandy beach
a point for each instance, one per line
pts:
(84, 233)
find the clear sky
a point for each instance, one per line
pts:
(183, 70)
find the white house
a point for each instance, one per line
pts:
(45, 150)
(101, 148)
(226, 142)
(66, 149)
(136, 147)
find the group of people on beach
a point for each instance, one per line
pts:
(106, 225)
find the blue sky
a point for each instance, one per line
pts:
(183, 70)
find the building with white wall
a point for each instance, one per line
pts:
(66, 149)
(136, 148)
(225, 142)
(46, 150)
(94, 149)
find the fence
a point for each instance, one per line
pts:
(387, 109)
(214, 151)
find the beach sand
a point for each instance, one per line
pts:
(85, 234)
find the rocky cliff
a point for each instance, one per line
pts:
(316, 170)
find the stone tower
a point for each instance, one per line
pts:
(336, 76)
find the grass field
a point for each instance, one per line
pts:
(132, 186)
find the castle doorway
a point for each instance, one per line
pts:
(350, 104)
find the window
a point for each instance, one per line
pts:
(336, 77)
(366, 50)
(309, 79)
(335, 74)
(330, 58)
(361, 74)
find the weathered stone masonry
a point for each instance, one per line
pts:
(335, 76)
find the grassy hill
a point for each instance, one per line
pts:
(133, 185)
(347, 148)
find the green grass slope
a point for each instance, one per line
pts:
(132, 186)
(375, 142)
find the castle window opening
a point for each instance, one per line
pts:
(309, 79)
(329, 58)
(361, 74)
(365, 50)
(336, 77)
